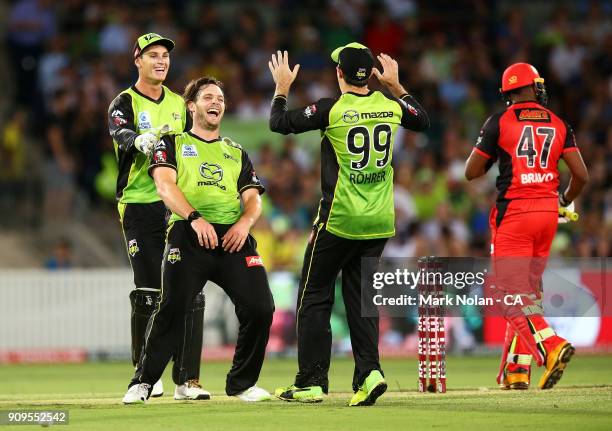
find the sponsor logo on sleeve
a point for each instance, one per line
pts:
(176, 115)
(159, 156)
(412, 109)
(254, 261)
(118, 118)
(254, 178)
(310, 111)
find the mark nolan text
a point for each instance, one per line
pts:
(444, 301)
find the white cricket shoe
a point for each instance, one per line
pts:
(137, 394)
(254, 394)
(191, 390)
(158, 389)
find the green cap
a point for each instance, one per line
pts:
(149, 39)
(356, 62)
(335, 55)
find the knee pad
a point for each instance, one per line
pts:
(187, 358)
(199, 302)
(144, 303)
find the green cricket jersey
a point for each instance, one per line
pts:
(211, 174)
(356, 154)
(132, 114)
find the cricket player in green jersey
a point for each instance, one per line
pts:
(203, 178)
(136, 119)
(356, 214)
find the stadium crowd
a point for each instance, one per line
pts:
(70, 58)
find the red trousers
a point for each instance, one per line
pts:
(522, 232)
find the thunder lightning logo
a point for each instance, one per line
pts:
(174, 255)
(133, 247)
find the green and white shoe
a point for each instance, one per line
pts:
(309, 394)
(373, 387)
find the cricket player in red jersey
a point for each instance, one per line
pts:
(527, 140)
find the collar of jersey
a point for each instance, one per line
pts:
(158, 101)
(525, 103)
(212, 141)
(360, 95)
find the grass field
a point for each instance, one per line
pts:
(92, 393)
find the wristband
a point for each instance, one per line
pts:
(563, 201)
(194, 215)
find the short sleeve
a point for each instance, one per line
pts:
(164, 154)
(488, 139)
(248, 178)
(570, 139)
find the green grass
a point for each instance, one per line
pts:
(92, 393)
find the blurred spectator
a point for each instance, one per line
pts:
(51, 63)
(31, 23)
(383, 35)
(117, 36)
(78, 53)
(438, 60)
(566, 59)
(60, 157)
(61, 257)
(12, 148)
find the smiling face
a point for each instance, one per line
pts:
(153, 64)
(209, 107)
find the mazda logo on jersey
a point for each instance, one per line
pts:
(350, 116)
(212, 173)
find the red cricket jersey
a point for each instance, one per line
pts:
(527, 140)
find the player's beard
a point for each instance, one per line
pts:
(205, 124)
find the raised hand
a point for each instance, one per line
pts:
(281, 72)
(390, 75)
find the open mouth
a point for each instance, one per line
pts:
(214, 112)
(160, 69)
